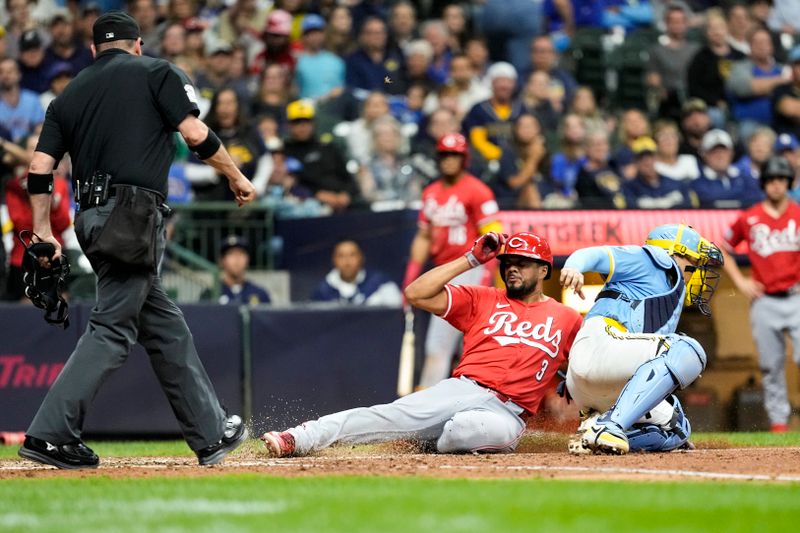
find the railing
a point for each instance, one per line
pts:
(201, 228)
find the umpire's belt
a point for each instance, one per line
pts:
(114, 189)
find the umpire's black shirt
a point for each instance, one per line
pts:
(117, 116)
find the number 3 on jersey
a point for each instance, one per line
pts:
(540, 373)
(457, 235)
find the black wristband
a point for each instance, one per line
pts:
(208, 147)
(40, 183)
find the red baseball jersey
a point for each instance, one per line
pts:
(773, 245)
(509, 346)
(453, 213)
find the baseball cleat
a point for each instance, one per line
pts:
(278, 444)
(605, 438)
(575, 446)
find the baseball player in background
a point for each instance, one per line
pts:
(627, 359)
(772, 231)
(515, 340)
(456, 208)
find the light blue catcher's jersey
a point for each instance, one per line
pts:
(651, 301)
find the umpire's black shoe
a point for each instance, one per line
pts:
(234, 435)
(69, 456)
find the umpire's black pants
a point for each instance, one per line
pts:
(131, 306)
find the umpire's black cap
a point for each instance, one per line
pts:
(114, 26)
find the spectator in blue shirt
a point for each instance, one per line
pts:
(20, 111)
(720, 183)
(236, 289)
(648, 189)
(319, 73)
(375, 66)
(752, 82)
(350, 283)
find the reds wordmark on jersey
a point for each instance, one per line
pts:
(509, 346)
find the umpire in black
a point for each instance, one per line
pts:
(116, 120)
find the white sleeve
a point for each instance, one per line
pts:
(387, 294)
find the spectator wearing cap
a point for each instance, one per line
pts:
(695, 123)
(598, 184)
(31, 62)
(543, 56)
(324, 171)
(146, 14)
(65, 46)
(320, 74)
(349, 282)
(752, 82)
(58, 77)
(759, 149)
(277, 43)
(236, 289)
(488, 125)
(721, 184)
(375, 66)
(215, 73)
(648, 189)
(669, 60)
(786, 100)
(20, 111)
(242, 17)
(711, 66)
(670, 163)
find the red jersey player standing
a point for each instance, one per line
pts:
(456, 209)
(514, 341)
(772, 231)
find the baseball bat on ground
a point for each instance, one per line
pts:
(405, 373)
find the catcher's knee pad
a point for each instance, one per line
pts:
(685, 359)
(655, 438)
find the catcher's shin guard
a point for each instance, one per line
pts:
(656, 379)
(656, 438)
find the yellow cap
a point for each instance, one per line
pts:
(300, 110)
(643, 145)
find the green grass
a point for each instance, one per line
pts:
(532, 442)
(373, 504)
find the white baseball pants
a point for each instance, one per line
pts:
(770, 319)
(457, 414)
(602, 360)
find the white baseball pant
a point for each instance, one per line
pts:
(603, 358)
(770, 319)
(442, 339)
(457, 414)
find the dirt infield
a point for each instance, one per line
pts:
(537, 457)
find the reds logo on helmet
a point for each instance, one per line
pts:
(529, 245)
(453, 143)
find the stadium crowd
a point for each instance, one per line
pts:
(336, 105)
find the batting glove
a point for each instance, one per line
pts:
(486, 247)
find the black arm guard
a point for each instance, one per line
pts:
(44, 285)
(208, 147)
(40, 183)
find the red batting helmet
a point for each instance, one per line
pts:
(452, 143)
(529, 245)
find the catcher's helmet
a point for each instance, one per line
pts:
(776, 167)
(683, 240)
(528, 245)
(44, 285)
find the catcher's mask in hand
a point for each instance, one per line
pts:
(44, 285)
